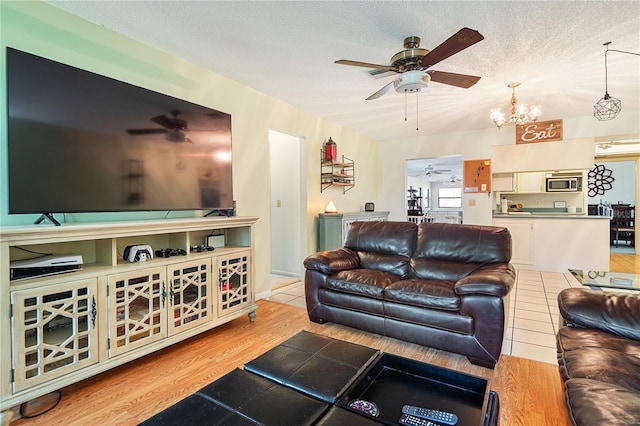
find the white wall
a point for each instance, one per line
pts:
(623, 188)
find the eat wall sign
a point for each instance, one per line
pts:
(540, 131)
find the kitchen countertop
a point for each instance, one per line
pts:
(546, 215)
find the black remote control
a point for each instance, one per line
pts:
(434, 415)
(409, 420)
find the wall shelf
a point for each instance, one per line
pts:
(337, 173)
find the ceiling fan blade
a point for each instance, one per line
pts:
(459, 41)
(381, 92)
(138, 132)
(459, 80)
(164, 121)
(379, 74)
(365, 64)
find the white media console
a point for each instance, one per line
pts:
(60, 329)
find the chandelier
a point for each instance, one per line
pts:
(519, 113)
(608, 107)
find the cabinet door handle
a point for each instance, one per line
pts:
(94, 311)
(164, 293)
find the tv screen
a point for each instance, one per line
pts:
(83, 142)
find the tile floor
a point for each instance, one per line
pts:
(533, 313)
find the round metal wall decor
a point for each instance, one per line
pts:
(599, 180)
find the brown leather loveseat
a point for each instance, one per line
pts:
(440, 285)
(599, 356)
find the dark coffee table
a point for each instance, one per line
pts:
(313, 379)
(315, 365)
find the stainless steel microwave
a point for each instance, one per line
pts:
(564, 184)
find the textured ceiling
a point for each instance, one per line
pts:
(287, 50)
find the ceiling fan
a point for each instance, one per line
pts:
(173, 128)
(413, 64)
(430, 169)
(453, 180)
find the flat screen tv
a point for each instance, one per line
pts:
(82, 142)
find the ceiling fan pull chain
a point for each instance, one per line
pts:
(417, 99)
(405, 105)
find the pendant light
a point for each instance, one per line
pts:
(608, 107)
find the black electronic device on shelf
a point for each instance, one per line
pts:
(201, 248)
(169, 252)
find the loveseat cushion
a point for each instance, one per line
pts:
(614, 313)
(434, 294)
(363, 282)
(446, 251)
(383, 245)
(596, 403)
(598, 355)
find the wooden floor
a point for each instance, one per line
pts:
(530, 392)
(629, 263)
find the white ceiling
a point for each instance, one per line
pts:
(287, 50)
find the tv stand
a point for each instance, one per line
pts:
(44, 216)
(64, 328)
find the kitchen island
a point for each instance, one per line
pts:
(553, 241)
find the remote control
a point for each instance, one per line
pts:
(409, 420)
(434, 415)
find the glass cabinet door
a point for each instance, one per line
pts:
(189, 295)
(137, 312)
(234, 291)
(54, 331)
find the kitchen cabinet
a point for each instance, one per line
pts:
(522, 241)
(530, 183)
(503, 182)
(556, 243)
(534, 157)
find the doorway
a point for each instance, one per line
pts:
(434, 187)
(621, 158)
(622, 193)
(287, 205)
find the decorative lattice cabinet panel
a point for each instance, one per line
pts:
(234, 292)
(54, 331)
(190, 298)
(137, 312)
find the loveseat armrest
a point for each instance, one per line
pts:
(332, 261)
(494, 279)
(617, 314)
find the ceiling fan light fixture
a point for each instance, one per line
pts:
(411, 81)
(175, 135)
(518, 113)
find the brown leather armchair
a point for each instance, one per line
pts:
(440, 285)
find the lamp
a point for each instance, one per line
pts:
(331, 208)
(608, 107)
(519, 113)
